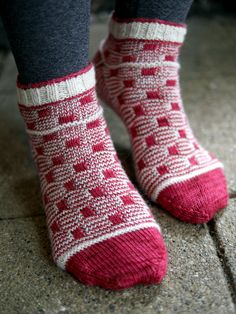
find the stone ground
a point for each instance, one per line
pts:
(202, 258)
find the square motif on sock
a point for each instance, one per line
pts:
(170, 83)
(49, 177)
(128, 83)
(87, 212)
(193, 161)
(138, 110)
(93, 124)
(182, 133)
(162, 122)
(97, 192)
(98, 147)
(66, 119)
(78, 233)
(57, 160)
(86, 99)
(116, 219)
(74, 142)
(173, 150)
(150, 140)
(81, 166)
(163, 169)
(169, 58)
(141, 164)
(127, 200)
(153, 95)
(42, 113)
(61, 205)
(39, 150)
(70, 185)
(55, 227)
(148, 71)
(109, 173)
(175, 106)
(50, 137)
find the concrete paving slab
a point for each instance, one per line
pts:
(225, 235)
(30, 283)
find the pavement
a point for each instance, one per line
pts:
(202, 258)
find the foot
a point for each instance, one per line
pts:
(100, 228)
(137, 75)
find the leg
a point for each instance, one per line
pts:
(137, 75)
(100, 228)
(48, 40)
(168, 10)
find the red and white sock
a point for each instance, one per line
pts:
(137, 75)
(100, 228)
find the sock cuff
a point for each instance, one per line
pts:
(149, 29)
(56, 89)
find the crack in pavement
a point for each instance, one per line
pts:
(220, 249)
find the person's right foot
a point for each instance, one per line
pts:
(100, 228)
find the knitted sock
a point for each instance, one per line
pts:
(137, 75)
(100, 228)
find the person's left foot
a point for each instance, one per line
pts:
(137, 75)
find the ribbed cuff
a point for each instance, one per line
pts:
(149, 29)
(56, 89)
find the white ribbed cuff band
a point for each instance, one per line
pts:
(55, 91)
(147, 30)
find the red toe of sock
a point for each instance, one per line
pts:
(121, 262)
(198, 199)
